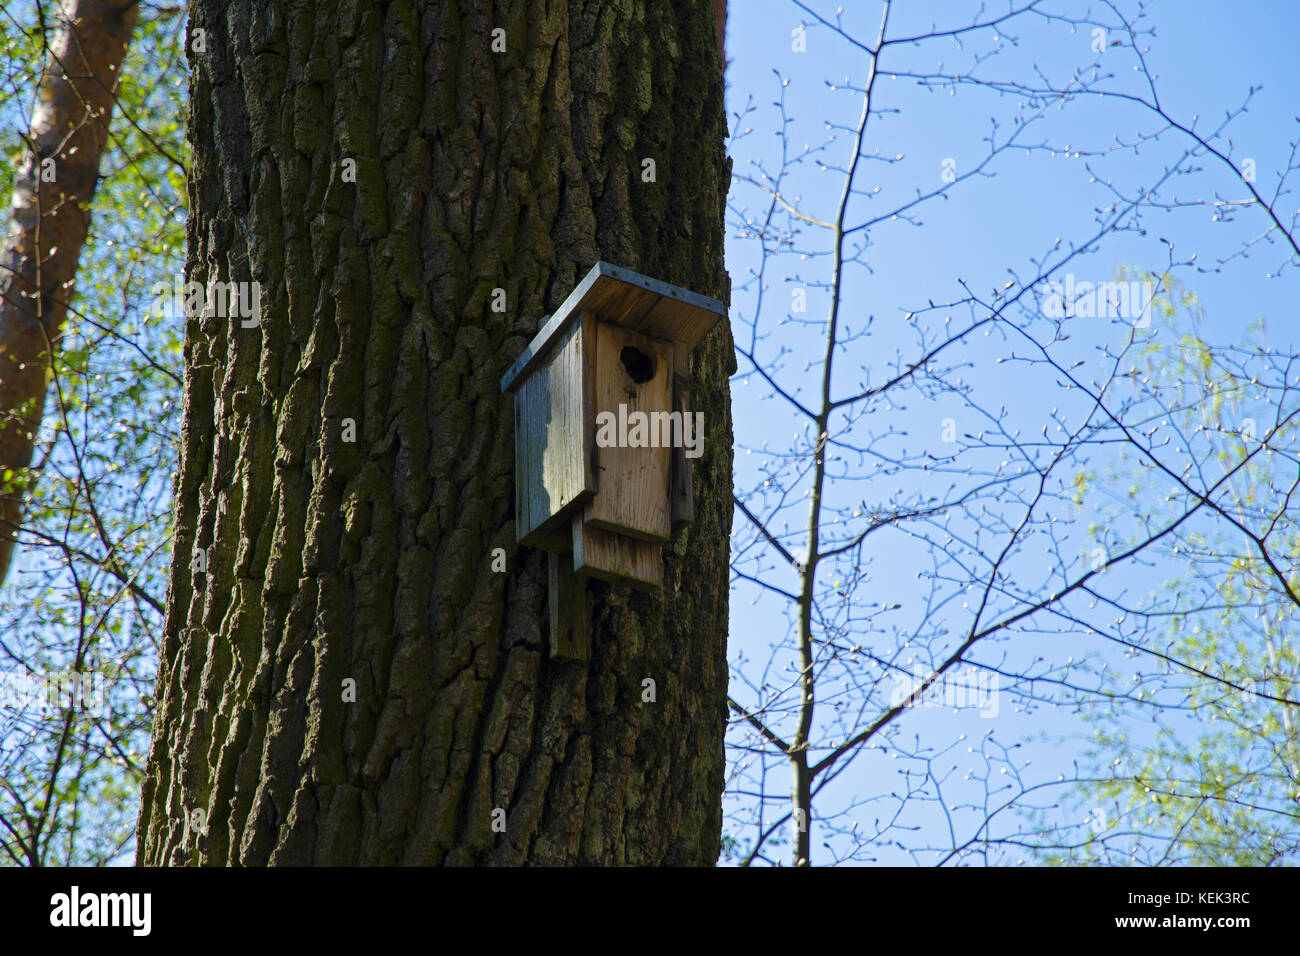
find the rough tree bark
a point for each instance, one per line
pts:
(327, 561)
(51, 216)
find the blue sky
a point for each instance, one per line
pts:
(1058, 182)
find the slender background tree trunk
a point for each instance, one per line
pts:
(327, 561)
(51, 216)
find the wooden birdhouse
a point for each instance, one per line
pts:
(604, 436)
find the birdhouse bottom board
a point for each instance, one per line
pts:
(631, 399)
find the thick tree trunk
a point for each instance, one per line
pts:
(51, 216)
(327, 561)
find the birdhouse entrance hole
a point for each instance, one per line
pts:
(639, 366)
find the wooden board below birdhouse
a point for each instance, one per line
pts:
(616, 558)
(554, 422)
(632, 398)
(567, 601)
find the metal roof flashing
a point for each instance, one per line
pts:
(628, 300)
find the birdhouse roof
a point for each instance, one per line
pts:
(628, 300)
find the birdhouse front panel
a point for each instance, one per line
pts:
(616, 557)
(632, 386)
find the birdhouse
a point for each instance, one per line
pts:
(604, 437)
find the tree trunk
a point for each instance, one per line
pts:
(51, 216)
(326, 561)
